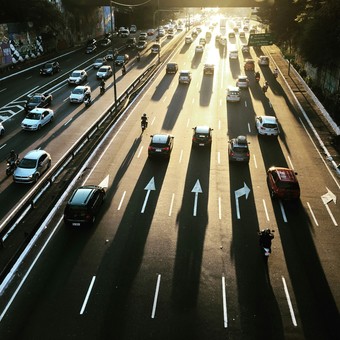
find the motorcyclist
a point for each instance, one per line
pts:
(138, 56)
(102, 83)
(13, 157)
(123, 69)
(257, 75)
(265, 86)
(87, 98)
(276, 72)
(144, 120)
(266, 237)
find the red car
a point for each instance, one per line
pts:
(282, 183)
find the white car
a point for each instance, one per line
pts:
(2, 129)
(199, 49)
(267, 125)
(143, 36)
(78, 94)
(99, 62)
(263, 60)
(233, 55)
(233, 94)
(31, 167)
(104, 72)
(37, 118)
(188, 39)
(184, 77)
(77, 77)
(242, 82)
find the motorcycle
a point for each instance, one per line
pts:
(265, 87)
(87, 102)
(265, 241)
(257, 77)
(275, 73)
(123, 70)
(11, 166)
(102, 89)
(144, 125)
(138, 57)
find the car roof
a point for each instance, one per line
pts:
(268, 119)
(160, 138)
(35, 154)
(202, 129)
(233, 88)
(184, 71)
(284, 174)
(40, 110)
(82, 194)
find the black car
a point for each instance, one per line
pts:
(84, 204)
(202, 135)
(171, 68)
(131, 42)
(90, 49)
(238, 150)
(161, 145)
(122, 59)
(50, 68)
(38, 100)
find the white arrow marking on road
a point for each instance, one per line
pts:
(148, 188)
(328, 197)
(105, 182)
(238, 193)
(197, 189)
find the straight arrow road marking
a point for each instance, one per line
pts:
(197, 189)
(150, 186)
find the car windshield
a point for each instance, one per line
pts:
(48, 65)
(77, 91)
(239, 149)
(34, 116)
(99, 61)
(288, 185)
(270, 125)
(103, 69)
(76, 74)
(35, 99)
(27, 163)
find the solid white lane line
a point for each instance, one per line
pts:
(290, 162)
(218, 157)
(312, 213)
(224, 301)
(68, 122)
(87, 295)
(249, 128)
(171, 204)
(292, 315)
(156, 296)
(121, 200)
(265, 209)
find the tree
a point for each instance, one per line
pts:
(319, 42)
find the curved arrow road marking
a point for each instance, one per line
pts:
(239, 193)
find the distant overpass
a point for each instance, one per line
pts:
(177, 3)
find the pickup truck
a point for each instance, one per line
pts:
(38, 100)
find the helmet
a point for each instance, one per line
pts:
(12, 152)
(267, 231)
(144, 114)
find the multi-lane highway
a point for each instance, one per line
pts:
(165, 260)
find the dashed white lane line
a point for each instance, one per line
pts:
(87, 295)
(154, 305)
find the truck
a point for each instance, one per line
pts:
(38, 100)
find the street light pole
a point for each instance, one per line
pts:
(113, 61)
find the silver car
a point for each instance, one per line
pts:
(32, 166)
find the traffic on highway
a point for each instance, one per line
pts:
(211, 216)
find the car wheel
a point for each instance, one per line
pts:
(39, 127)
(36, 177)
(52, 118)
(49, 164)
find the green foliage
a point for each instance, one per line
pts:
(320, 39)
(41, 13)
(312, 26)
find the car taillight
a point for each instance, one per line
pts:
(150, 148)
(166, 149)
(248, 154)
